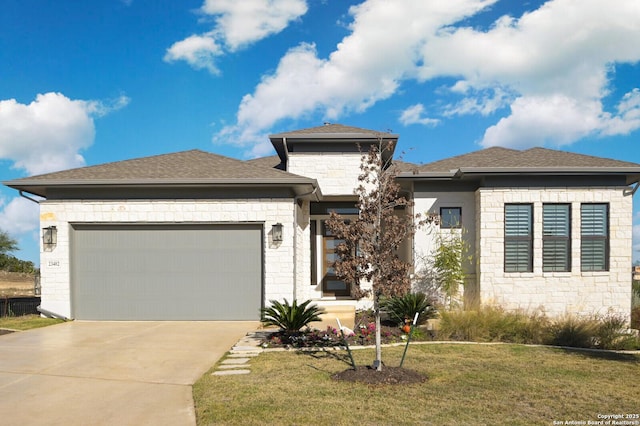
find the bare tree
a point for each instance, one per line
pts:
(368, 258)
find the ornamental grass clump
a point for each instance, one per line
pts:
(573, 331)
(494, 324)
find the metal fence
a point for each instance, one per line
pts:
(18, 306)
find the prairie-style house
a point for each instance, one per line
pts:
(197, 236)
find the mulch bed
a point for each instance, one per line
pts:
(388, 376)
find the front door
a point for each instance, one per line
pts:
(331, 285)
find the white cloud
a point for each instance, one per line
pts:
(554, 120)
(49, 133)
(237, 25)
(415, 115)
(548, 65)
(199, 51)
(628, 118)
(19, 216)
(367, 66)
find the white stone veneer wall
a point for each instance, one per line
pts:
(278, 260)
(582, 293)
(336, 172)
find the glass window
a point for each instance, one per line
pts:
(450, 217)
(556, 237)
(594, 231)
(518, 238)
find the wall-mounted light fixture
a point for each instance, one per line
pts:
(276, 232)
(49, 237)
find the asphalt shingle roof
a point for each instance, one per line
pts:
(194, 165)
(329, 128)
(497, 157)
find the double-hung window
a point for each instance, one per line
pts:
(556, 237)
(518, 238)
(594, 250)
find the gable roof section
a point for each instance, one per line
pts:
(497, 160)
(187, 168)
(333, 131)
(272, 162)
(321, 137)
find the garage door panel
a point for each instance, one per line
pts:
(154, 272)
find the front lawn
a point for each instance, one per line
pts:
(467, 384)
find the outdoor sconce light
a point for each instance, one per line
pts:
(276, 232)
(49, 237)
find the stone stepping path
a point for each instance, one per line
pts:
(237, 359)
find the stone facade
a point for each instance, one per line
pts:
(336, 172)
(279, 259)
(556, 293)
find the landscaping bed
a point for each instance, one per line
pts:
(363, 334)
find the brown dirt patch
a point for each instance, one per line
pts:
(388, 376)
(16, 284)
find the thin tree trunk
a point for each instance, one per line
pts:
(377, 364)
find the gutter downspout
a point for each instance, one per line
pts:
(50, 314)
(286, 154)
(632, 191)
(28, 198)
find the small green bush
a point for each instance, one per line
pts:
(290, 318)
(402, 308)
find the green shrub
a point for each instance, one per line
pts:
(401, 308)
(290, 318)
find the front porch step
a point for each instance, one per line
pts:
(346, 314)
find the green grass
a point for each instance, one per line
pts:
(468, 384)
(27, 322)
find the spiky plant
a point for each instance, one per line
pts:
(401, 308)
(290, 318)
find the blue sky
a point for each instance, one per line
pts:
(84, 83)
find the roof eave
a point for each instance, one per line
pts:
(550, 170)
(308, 137)
(632, 173)
(301, 186)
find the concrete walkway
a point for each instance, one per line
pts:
(109, 373)
(237, 360)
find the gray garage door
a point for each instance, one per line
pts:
(160, 272)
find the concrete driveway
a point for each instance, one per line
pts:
(109, 373)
